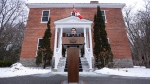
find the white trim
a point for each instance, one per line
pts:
(72, 21)
(42, 16)
(37, 46)
(108, 40)
(77, 5)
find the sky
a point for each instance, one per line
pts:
(128, 2)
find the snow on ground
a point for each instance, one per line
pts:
(137, 71)
(18, 70)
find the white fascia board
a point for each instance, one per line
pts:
(76, 5)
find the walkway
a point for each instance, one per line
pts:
(89, 79)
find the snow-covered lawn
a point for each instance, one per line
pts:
(18, 70)
(137, 71)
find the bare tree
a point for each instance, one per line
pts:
(138, 31)
(13, 14)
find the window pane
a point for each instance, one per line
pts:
(44, 19)
(103, 18)
(40, 41)
(45, 13)
(102, 12)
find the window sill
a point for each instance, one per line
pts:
(43, 22)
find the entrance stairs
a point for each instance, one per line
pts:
(83, 65)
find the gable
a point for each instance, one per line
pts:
(72, 20)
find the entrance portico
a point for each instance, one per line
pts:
(64, 26)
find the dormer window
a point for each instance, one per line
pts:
(45, 16)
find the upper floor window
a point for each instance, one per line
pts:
(45, 16)
(103, 15)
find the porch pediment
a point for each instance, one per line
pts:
(72, 20)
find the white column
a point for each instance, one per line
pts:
(61, 33)
(91, 48)
(60, 42)
(85, 41)
(85, 35)
(90, 38)
(59, 38)
(55, 41)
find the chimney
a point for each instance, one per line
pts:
(94, 2)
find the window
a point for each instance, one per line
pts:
(39, 43)
(73, 14)
(103, 15)
(45, 16)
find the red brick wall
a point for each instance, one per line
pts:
(115, 29)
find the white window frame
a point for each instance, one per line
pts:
(108, 40)
(42, 16)
(104, 15)
(37, 46)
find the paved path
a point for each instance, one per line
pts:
(57, 79)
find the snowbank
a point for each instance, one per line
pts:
(18, 69)
(137, 71)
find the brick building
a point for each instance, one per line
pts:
(61, 23)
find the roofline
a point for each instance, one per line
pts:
(76, 5)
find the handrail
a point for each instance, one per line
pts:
(88, 55)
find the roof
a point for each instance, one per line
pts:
(76, 5)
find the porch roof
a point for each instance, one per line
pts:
(73, 21)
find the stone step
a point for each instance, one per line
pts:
(83, 65)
